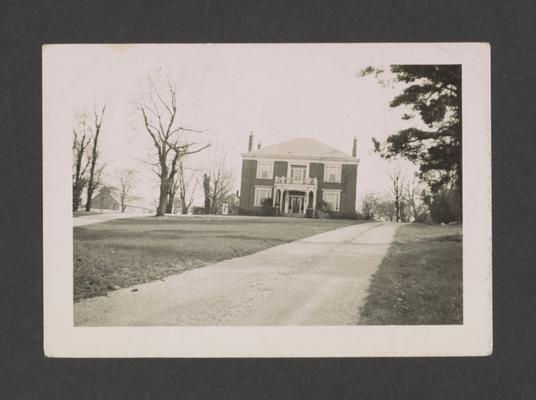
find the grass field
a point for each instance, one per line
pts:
(126, 252)
(420, 279)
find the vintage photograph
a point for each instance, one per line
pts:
(269, 185)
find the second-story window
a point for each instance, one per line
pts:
(264, 170)
(297, 173)
(332, 173)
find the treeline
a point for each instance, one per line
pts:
(410, 199)
(156, 106)
(87, 168)
(432, 94)
(441, 207)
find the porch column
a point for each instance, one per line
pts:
(282, 202)
(287, 205)
(314, 199)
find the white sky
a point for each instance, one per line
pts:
(278, 92)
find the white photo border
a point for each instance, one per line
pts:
(473, 338)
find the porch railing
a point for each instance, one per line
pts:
(295, 181)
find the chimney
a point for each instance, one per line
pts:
(354, 147)
(259, 146)
(250, 144)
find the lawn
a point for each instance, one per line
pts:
(126, 252)
(419, 282)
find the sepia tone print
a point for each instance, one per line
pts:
(242, 188)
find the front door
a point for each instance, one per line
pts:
(296, 204)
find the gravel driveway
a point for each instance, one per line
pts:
(320, 280)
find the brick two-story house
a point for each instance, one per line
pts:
(297, 174)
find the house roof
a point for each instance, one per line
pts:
(115, 193)
(300, 148)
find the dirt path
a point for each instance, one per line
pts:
(98, 218)
(320, 280)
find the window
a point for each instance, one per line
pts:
(262, 193)
(297, 173)
(332, 173)
(332, 198)
(264, 170)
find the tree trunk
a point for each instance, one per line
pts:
(89, 197)
(206, 187)
(169, 203)
(397, 209)
(161, 209)
(170, 200)
(90, 185)
(77, 194)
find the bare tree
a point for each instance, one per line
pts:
(158, 107)
(386, 209)
(412, 190)
(369, 206)
(126, 182)
(397, 176)
(186, 187)
(95, 170)
(220, 183)
(81, 141)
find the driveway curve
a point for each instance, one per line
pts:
(319, 280)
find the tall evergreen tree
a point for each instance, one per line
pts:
(434, 94)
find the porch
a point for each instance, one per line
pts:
(293, 196)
